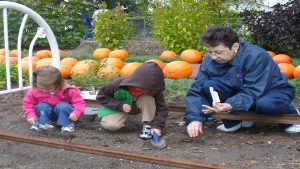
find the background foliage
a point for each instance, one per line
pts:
(63, 18)
(111, 29)
(277, 30)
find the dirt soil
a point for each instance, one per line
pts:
(263, 146)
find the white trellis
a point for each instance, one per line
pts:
(44, 31)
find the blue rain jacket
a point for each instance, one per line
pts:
(252, 72)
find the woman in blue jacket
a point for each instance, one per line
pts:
(245, 77)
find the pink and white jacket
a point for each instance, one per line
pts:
(67, 94)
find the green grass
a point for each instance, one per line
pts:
(142, 59)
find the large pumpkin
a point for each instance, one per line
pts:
(65, 71)
(296, 72)
(61, 54)
(271, 53)
(34, 59)
(113, 62)
(282, 58)
(191, 56)
(12, 60)
(129, 68)
(108, 71)
(44, 62)
(120, 54)
(160, 63)
(2, 58)
(168, 55)
(69, 61)
(178, 69)
(80, 70)
(43, 54)
(287, 69)
(2, 51)
(101, 53)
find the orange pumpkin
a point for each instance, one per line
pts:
(101, 53)
(282, 58)
(120, 54)
(108, 71)
(80, 69)
(160, 63)
(296, 72)
(178, 69)
(129, 68)
(61, 54)
(34, 59)
(271, 53)
(113, 62)
(44, 62)
(287, 69)
(2, 51)
(191, 56)
(25, 66)
(69, 61)
(14, 53)
(65, 71)
(43, 54)
(2, 58)
(12, 60)
(168, 55)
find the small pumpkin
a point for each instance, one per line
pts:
(61, 54)
(113, 62)
(14, 53)
(271, 53)
(287, 69)
(120, 54)
(65, 71)
(80, 70)
(160, 63)
(25, 66)
(282, 58)
(177, 70)
(43, 54)
(69, 61)
(44, 62)
(34, 59)
(129, 68)
(168, 55)
(296, 71)
(191, 56)
(108, 71)
(101, 53)
(12, 60)
(2, 51)
(2, 58)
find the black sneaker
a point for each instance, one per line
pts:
(146, 132)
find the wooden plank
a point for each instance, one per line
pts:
(252, 116)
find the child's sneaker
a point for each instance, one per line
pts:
(34, 128)
(146, 132)
(69, 128)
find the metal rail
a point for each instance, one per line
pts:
(147, 158)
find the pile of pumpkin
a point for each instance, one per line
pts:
(112, 63)
(284, 64)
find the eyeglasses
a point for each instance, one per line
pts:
(217, 52)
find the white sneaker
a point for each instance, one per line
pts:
(146, 132)
(231, 129)
(295, 128)
(247, 124)
(69, 128)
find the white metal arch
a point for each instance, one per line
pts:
(43, 31)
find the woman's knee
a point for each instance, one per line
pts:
(272, 107)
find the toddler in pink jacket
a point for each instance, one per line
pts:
(50, 100)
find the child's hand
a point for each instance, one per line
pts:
(73, 117)
(157, 131)
(126, 108)
(31, 120)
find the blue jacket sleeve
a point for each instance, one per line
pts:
(193, 99)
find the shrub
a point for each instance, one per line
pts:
(63, 18)
(179, 24)
(111, 29)
(277, 30)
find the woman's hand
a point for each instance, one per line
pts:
(157, 131)
(217, 108)
(73, 117)
(126, 108)
(194, 128)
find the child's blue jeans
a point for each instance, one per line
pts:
(60, 113)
